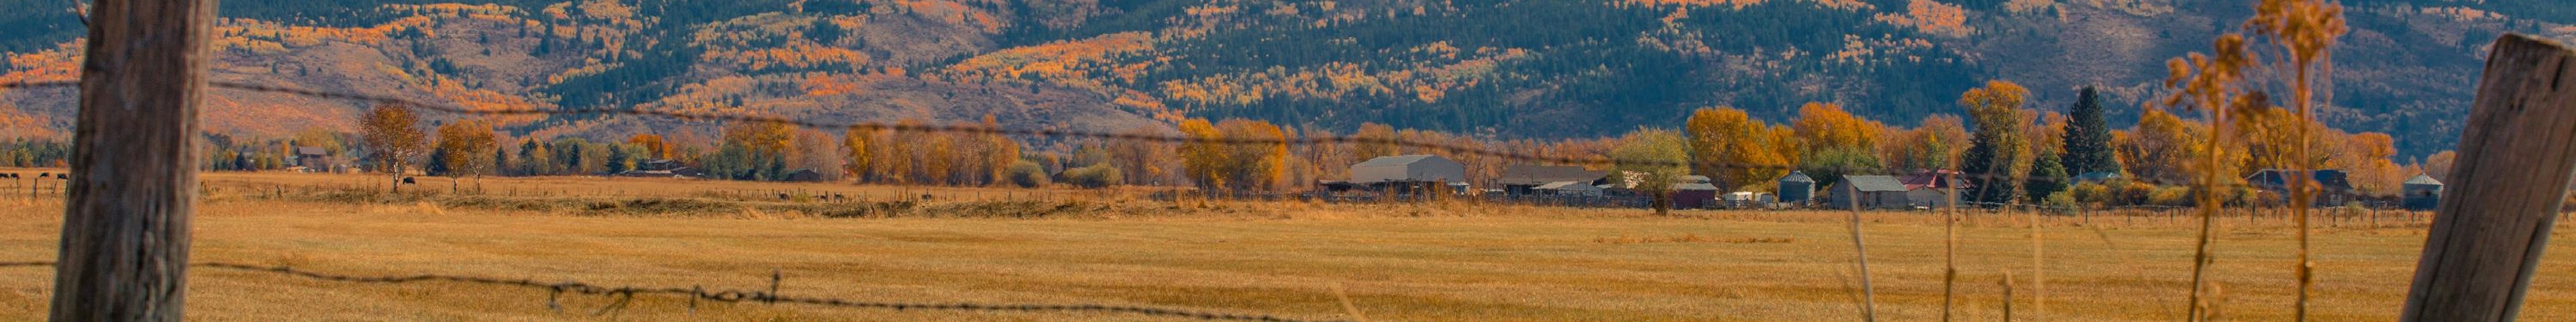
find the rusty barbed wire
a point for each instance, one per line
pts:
(1452, 149)
(39, 84)
(626, 293)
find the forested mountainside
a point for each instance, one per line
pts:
(1499, 68)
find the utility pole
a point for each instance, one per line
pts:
(124, 250)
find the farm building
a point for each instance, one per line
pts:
(1797, 187)
(2423, 193)
(1420, 171)
(1932, 188)
(804, 175)
(2332, 188)
(1872, 192)
(314, 158)
(1522, 179)
(1568, 189)
(1694, 195)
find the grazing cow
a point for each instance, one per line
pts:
(407, 180)
(782, 196)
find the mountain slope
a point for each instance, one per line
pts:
(1508, 69)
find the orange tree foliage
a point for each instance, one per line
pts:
(1825, 126)
(1374, 141)
(2439, 164)
(761, 137)
(654, 148)
(2164, 147)
(1999, 147)
(1145, 162)
(1932, 17)
(1935, 145)
(391, 135)
(1070, 63)
(1723, 139)
(1216, 164)
(466, 148)
(888, 156)
(1427, 81)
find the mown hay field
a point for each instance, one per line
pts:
(1445, 261)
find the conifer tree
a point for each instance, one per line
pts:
(2088, 137)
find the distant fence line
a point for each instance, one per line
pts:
(695, 294)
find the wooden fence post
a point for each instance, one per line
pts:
(124, 253)
(2515, 162)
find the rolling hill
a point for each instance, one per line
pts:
(1500, 68)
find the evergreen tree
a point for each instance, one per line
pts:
(825, 32)
(500, 158)
(777, 169)
(2088, 137)
(1979, 163)
(437, 163)
(2047, 177)
(619, 160)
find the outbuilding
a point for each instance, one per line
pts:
(1932, 188)
(1405, 172)
(1871, 192)
(2331, 186)
(1694, 195)
(2423, 193)
(1797, 187)
(1523, 179)
(1568, 189)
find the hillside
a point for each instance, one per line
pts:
(1505, 69)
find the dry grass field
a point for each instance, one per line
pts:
(1430, 262)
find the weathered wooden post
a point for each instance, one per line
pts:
(2515, 162)
(124, 250)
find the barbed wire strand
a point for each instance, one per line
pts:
(625, 294)
(1299, 141)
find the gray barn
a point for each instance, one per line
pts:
(1872, 192)
(1418, 170)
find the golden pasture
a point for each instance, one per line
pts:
(1443, 261)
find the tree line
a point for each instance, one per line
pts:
(2017, 153)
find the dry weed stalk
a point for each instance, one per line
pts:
(1868, 295)
(2038, 270)
(1344, 295)
(1950, 252)
(2008, 295)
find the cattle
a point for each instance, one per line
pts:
(782, 196)
(407, 180)
(42, 175)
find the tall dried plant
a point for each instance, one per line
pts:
(2210, 83)
(2303, 32)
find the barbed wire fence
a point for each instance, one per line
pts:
(695, 294)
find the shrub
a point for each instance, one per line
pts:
(1095, 176)
(2092, 194)
(2060, 204)
(1026, 174)
(2170, 196)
